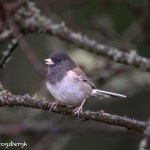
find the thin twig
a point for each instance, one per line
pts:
(7, 53)
(145, 142)
(5, 35)
(15, 5)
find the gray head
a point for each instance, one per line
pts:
(58, 65)
(60, 61)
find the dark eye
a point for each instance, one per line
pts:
(59, 60)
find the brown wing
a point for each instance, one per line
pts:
(83, 77)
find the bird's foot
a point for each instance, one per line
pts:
(53, 104)
(77, 111)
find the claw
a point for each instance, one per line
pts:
(78, 110)
(53, 104)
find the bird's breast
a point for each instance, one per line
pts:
(70, 90)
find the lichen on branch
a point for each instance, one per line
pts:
(8, 99)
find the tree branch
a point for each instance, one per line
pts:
(64, 127)
(18, 35)
(30, 19)
(35, 22)
(7, 99)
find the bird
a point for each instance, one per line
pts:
(69, 84)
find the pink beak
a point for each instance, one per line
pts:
(49, 62)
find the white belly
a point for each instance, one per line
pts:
(67, 92)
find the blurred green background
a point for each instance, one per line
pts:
(123, 24)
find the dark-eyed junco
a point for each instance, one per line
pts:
(69, 84)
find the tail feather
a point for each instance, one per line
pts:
(101, 94)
